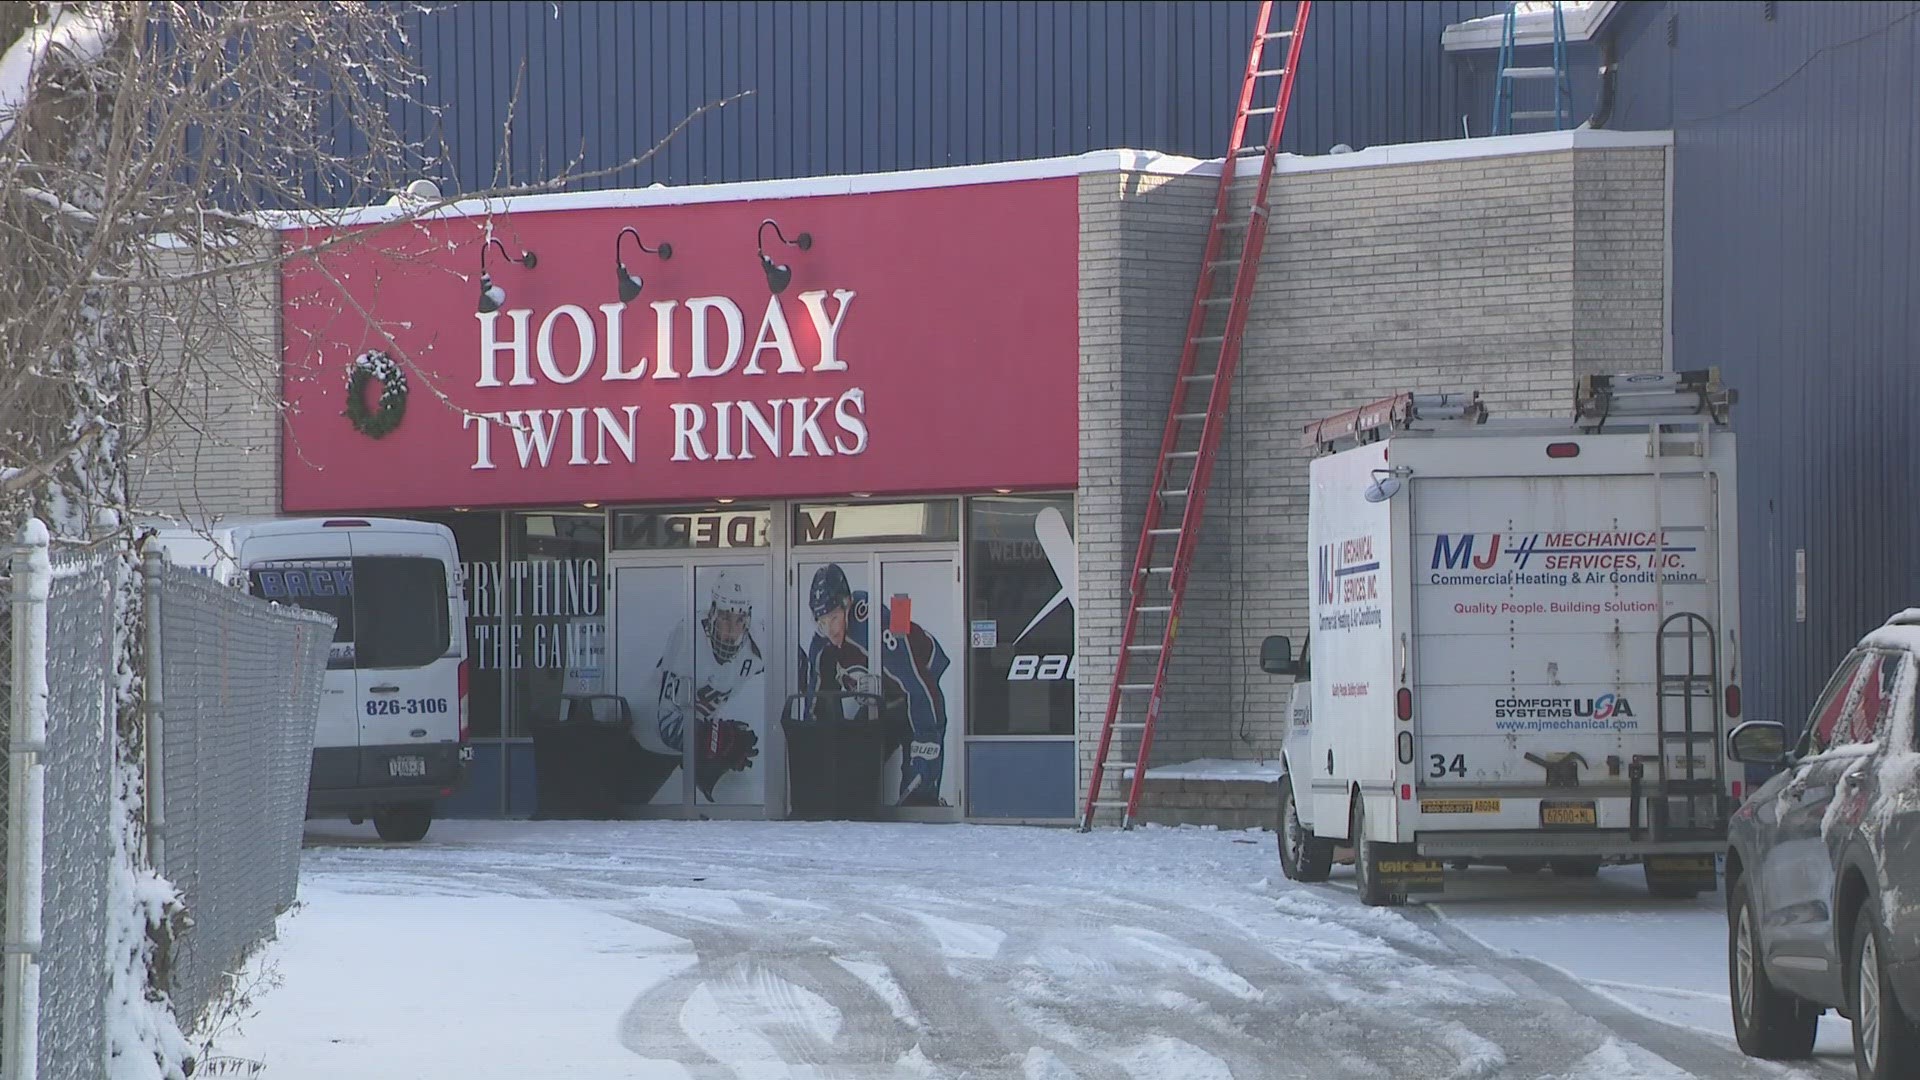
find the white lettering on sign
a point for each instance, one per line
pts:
(774, 334)
(698, 309)
(583, 335)
(491, 347)
(569, 344)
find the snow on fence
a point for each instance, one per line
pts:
(230, 742)
(238, 692)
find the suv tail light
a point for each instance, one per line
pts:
(465, 669)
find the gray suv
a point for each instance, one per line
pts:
(1823, 867)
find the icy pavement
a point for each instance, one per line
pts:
(784, 949)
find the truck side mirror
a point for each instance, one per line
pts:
(1276, 656)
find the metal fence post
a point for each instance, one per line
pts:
(27, 739)
(152, 564)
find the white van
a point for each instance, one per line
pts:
(392, 737)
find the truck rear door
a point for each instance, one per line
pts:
(1538, 609)
(407, 655)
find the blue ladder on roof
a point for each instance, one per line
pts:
(1506, 74)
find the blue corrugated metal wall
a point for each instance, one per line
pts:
(1796, 262)
(859, 87)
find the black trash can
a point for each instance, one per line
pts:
(578, 757)
(833, 763)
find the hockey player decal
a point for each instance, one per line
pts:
(711, 678)
(911, 665)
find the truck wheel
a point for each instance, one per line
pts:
(1303, 856)
(1525, 866)
(402, 824)
(1575, 868)
(1885, 1044)
(1766, 1022)
(1373, 891)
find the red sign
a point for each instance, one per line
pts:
(927, 342)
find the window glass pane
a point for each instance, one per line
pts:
(317, 585)
(400, 611)
(699, 527)
(556, 614)
(870, 522)
(1826, 717)
(477, 537)
(1021, 576)
(1872, 702)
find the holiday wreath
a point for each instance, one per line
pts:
(376, 422)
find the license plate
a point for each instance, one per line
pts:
(1459, 806)
(408, 766)
(1568, 815)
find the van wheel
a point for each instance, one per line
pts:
(1373, 891)
(1303, 856)
(402, 824)
(1766, 1022)
(1885, 1044)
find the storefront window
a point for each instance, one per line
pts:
(554, 640)
(1021, 574)
(689, 528)
(871, 522)
(477, 538)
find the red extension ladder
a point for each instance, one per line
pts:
(1193, 432)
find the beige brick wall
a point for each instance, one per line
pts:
(214, 445)
(1508, 275)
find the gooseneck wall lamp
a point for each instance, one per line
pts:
(778, 274)
(630, 282)
(491, 295)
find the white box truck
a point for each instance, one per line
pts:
(1523, 640)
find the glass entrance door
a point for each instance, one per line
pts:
(872, 623)
(921, 640)
(691, 650)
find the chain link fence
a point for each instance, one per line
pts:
(233, 694)
(239, 693)
(78, 849)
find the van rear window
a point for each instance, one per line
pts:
(316, 584)
(400, 611)
(390, 611)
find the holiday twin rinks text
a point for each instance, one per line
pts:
(570, 346)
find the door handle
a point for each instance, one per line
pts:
(389, 689)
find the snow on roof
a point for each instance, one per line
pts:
(1532, 25)
(1901, 631)
(1097, 161)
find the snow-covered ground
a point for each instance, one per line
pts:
(787, 949)
(1663, 959)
